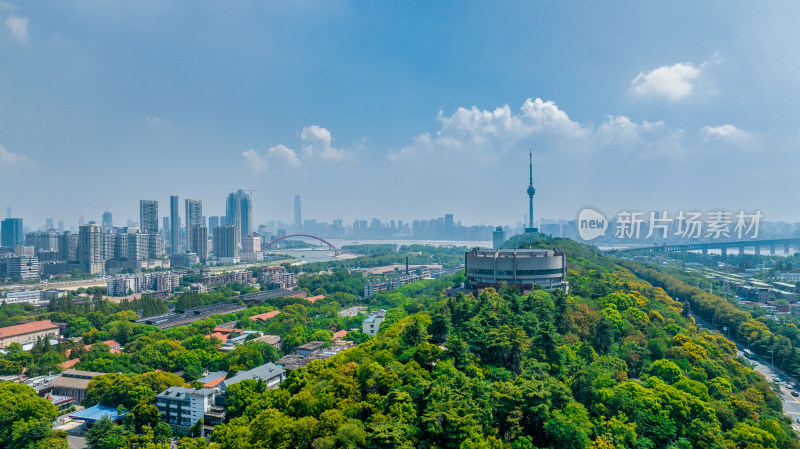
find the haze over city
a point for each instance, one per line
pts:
(397, 111)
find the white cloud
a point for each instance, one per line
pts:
(727, 133)
(671, 82)
(255, 161)
(287, 154)
(317, 143)
(259, 162)
(19, 28)
(483, 131)
(484, 134)
(8, 159)
(5, 6)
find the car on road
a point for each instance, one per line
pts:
(776, 379)
(795, 394)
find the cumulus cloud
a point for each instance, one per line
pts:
(671, 82)
(287, 154)
(9, 159)
(726, 133)
(476, 130)
(254, 160)
(19, 28)
(317, 143)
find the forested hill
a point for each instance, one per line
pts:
(611, 365)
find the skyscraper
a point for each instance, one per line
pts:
(199, 240)
(225, 242)
(174, 225)
(49, 223)
(194, 217)
(239, 214)
(298, 222)
(531, 192)
(213, 223)
(89, 248)
(11, 232)
(108, 221)
(148, 216)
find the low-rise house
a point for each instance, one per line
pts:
(270, 373)
(73, 383)
(308, 348)
(182, 407)
(372, 323)
(27, 332)
(265, 316)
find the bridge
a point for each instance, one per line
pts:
(723, 246)
(330, 245)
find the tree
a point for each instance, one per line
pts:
(26, 418)
(105, 434)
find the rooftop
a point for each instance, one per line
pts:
(97, 413)
(265, 316)
(264, 372)
(26, 328)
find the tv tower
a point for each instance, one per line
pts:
(531, 192)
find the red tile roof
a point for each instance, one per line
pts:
(339, 334)
(224, 330)
(214, 382)
(265, 316)
(69, 363)
(26, 328)
(316, 298)
(222, 337)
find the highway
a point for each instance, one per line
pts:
(791, 404)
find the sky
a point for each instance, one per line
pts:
(399, 110)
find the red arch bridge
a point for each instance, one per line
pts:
(266, 246)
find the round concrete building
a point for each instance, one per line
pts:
(522, 268)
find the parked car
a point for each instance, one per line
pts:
(795, 394)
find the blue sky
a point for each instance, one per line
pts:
(399, 109)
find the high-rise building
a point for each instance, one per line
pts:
(298, 222)
(25, 268)
(498, 237)
(251, 244)
(194, 217)
(60, 226)
(213, 223)
(225, 241)
(199, 239)
(174, 225)
(108, 221)
(239, 214)
(531, 191)
(11, 232)
(49, 223)
(148, 216)
(68, 246)
(90, 248)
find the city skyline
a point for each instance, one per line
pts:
(338, 109)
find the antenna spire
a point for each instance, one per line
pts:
(530, 156)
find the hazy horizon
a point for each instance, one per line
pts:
(397, 110)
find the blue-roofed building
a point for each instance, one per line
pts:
(93, 414)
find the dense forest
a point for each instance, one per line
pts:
(614, 363)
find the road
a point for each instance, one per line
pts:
(63, 285)
(791, 404)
